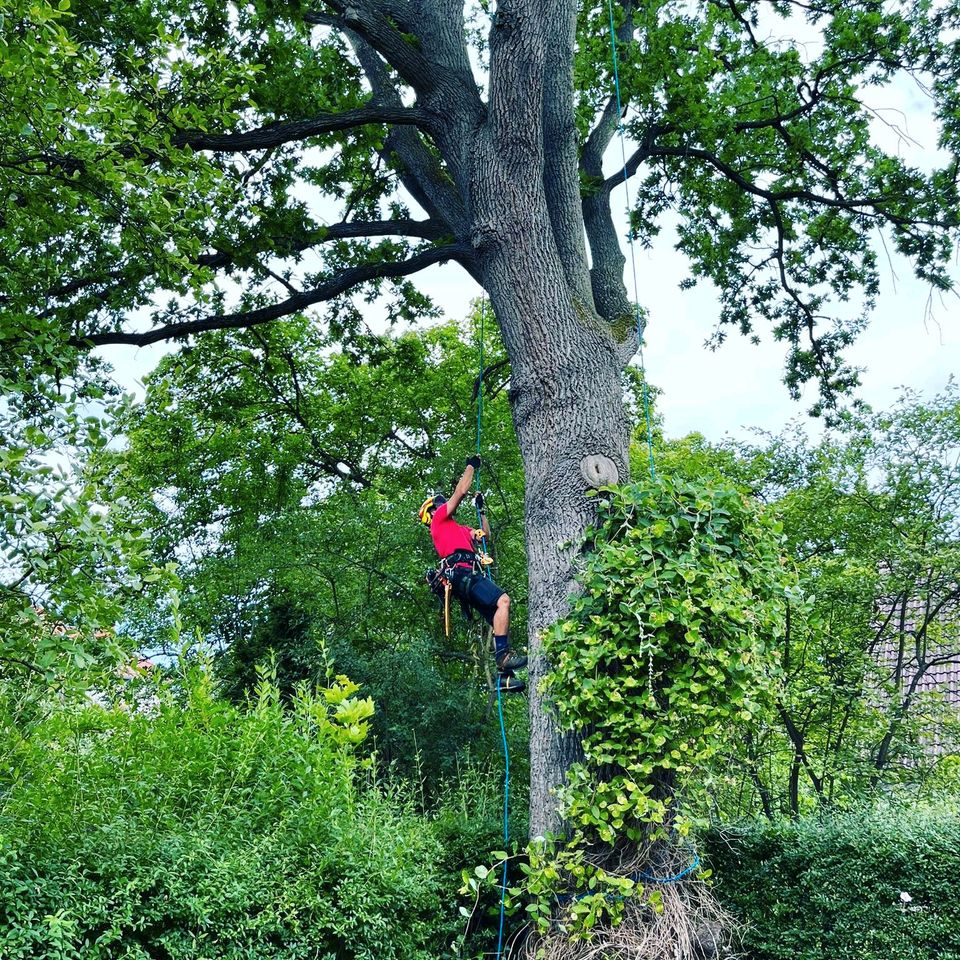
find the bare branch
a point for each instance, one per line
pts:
(275, 134)
(343, 282)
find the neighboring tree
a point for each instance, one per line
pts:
(68, 561)
(285, 477)
(871, 517)
(179, 167)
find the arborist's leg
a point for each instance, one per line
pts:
(501, 625)
(506, 659)
(494, 605)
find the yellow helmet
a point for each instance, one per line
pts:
(425, 512)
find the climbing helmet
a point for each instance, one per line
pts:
(429, 505)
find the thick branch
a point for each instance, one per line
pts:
(273, 246)
(609, 120)
(561, 178)
(325, 291)
(400, 49)
(419, 170)
(275, 134)
(606, 274)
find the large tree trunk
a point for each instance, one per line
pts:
(569, 416)
(567, 401)
(566, 366)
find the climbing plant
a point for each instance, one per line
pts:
(664, 657)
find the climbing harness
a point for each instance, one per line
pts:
(454, 575)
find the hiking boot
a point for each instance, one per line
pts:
(508, 661)
(508, 683)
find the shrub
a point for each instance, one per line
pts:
(203, 829)
(823, 889)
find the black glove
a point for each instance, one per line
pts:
(479, 500)
(474, 462)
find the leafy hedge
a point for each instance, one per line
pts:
(198, 829)
(825, 889)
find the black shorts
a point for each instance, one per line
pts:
(480, 592)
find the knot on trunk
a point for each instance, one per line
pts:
(598, 470)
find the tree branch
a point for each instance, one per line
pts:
(561, 178)
(275, 134)
(285, 246)
(325, 291)
(865, 206)
(418, 168)
(401, 49)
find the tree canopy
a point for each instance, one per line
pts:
(171, 169)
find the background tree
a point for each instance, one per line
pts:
(174, 173)
(284, 477)
(69, 563)
(869, 515)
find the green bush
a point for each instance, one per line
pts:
(200, 829)
(831, 888)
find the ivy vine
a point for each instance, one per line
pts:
(664, 656)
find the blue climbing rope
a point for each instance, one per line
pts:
(638, 875)
(677, 876)
(630, 240)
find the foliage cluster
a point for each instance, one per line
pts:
(666, 654)
(871, 521)
(162, 821)
(158, 161)
(69, 565)
(867, 884)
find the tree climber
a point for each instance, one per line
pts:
(461, 565)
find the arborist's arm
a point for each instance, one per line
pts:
(484, 523)
(463, 487)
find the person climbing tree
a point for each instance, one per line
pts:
(462, 567)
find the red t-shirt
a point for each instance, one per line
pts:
(448, 535)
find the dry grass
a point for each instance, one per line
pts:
(691, 925)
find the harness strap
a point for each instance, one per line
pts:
(460, 558)
(446, 608)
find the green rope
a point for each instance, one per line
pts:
(503, 731)
(476, 473)
(480, 388)
(630, 239)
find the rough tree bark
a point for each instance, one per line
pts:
(566, 363)
(515, 200)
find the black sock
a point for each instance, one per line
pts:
(501, 643)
